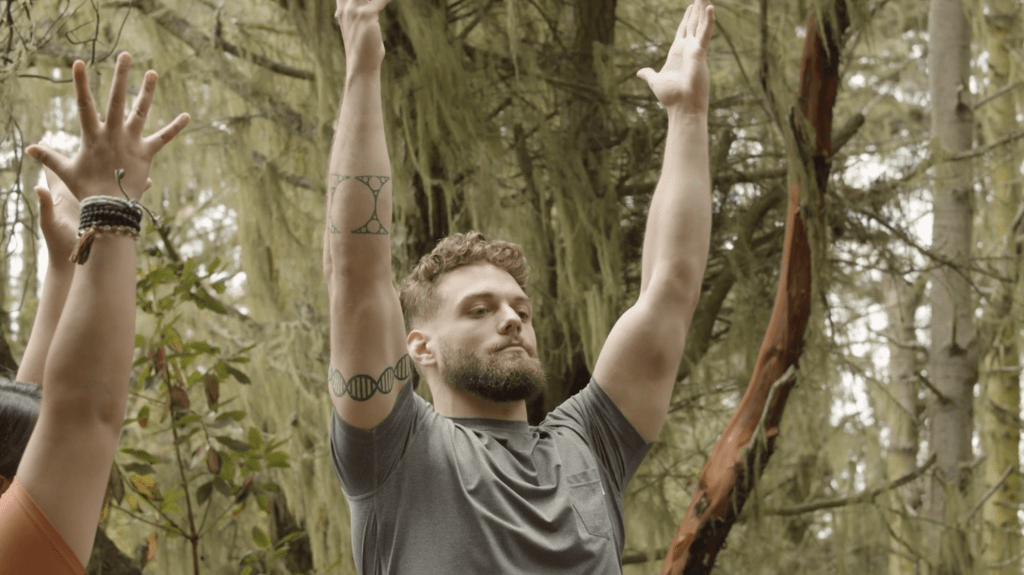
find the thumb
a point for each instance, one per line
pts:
(646, 74)
(45, 203)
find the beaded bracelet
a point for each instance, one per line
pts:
(105, 215)
(108, 215)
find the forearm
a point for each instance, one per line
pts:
(89, 363)
(678, 231)
(359, 203)
(55, 292)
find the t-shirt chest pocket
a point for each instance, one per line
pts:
(588, 497)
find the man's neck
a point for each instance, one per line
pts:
(456, 403)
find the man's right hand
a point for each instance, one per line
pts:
(360, 31)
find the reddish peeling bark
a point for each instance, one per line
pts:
(737, 462)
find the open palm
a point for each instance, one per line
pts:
(683, 81)
(113, 144)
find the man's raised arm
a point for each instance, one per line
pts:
(368, 361)
(638, 365)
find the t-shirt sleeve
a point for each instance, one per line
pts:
(617, 445)
(364, 459)
(29, 544)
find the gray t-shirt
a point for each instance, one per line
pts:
(432, 495)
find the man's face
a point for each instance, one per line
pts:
(485, 337)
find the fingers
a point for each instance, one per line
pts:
(118, 87)
(86, 107)
(154, 143)
(692, 18)
(137, 119)
(46, 156)
(707, 26)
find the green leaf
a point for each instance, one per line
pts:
(263, 502)
(140, 468)
(277, 459)
(204, 492)
(169, 503)
(187, 419)
(141, 455)
(140, 341)
(279, 554)
(116, 484)
(235, 415)
(247, 570)
(172, 339)
(188, 269)
(260, 538)
(255, 439)
(290, 537)
(272, 487)
(202, 347)
(222, 486)
(206, 301)
(227, 470)
(232, 444)
(241, 377)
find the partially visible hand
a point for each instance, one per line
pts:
(683, 80)
(360, 31)
(58, 217)
(113, 144)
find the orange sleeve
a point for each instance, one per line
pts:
(29, 545)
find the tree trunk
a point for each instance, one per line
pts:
(900, 414)
(953, 367)
(742, 452)
(999, 404)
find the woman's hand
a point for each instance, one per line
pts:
(113, 144)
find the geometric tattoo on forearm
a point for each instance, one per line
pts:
(373, 225)
(362, 387)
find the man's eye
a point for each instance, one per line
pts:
(478, 311)
(524, 315)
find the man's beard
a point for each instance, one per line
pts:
(501, 378)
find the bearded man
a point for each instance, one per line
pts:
(467, 485)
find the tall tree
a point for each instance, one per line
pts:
(1002, 239)
(901, 417)
(952, 367)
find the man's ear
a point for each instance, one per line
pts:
(417, 344)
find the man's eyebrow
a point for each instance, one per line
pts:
(491, 295)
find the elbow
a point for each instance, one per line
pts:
(676, 288)
(88, 404)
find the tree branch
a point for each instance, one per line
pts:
(862, 497)
(276, 110)
(974, 153)
(989, 493)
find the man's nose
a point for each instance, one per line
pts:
(511, 323)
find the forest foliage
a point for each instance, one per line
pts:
(523, 119)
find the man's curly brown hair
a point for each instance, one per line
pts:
(417, 294)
